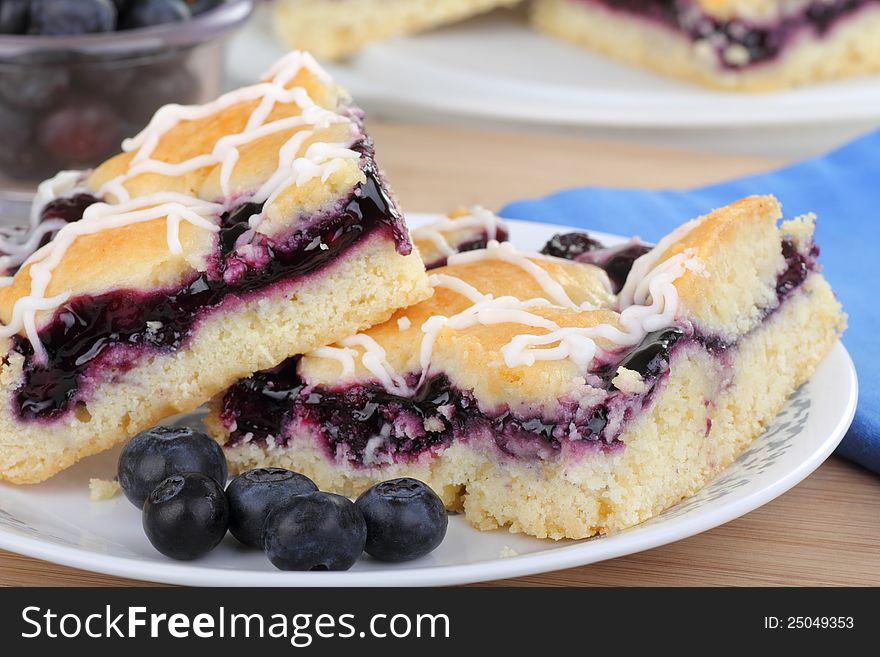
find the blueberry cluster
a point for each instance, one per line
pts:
(175, 476)
(63, 109)
(70, 17)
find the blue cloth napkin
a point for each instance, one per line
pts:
(842, 188)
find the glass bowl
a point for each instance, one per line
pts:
(67, 102)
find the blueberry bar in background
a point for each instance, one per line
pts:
(745, 45)
(333, 29)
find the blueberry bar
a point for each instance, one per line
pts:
(223, 239)
(562, 394)
(334, 29)
(749, 45)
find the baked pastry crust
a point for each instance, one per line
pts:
(267, 202)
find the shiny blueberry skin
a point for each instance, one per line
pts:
(147, 13)
(315, 531)
(253, 494)
(156, 454)
(13, 16)
(405, 519)
(186, 516)
(68, 17)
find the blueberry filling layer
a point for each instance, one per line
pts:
(113, 329)
(739, 43)
(365, 424)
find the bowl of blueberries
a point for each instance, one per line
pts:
(78, 76)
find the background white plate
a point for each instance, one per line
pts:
(496, 66)
(56, 521)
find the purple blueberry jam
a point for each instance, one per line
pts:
(570, 245)
(113, 329)
(619, 263)
(762, 42)
(797, 267)
(479, 242)
(650, 358)
(68, 208)
(580, 247)
(349, 418)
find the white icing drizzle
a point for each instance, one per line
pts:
(654, 306)
(343, 355)
(375, 360)
(457, 285)
(507, 252)
(503, 310)
(320, 160)
(656, 310)
(437, 232)
(403, 323)
(63, 183)
(644, 264)
(17, 242)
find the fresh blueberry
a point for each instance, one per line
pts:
(69, 17)
(570, 245)
(148, 13)
(405, 519)
(30, 88)
(253, 494)
(82, 132)
(154, 455)
(186, 516)
(315, 531)
(13, 16)
(197, 7)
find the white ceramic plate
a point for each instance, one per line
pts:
(56, 521)
(495, 66)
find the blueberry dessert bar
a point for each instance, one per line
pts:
(223, 239)
(334, 29)
(748, 45)
(536, 392)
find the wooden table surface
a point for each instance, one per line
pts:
(825, 531)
